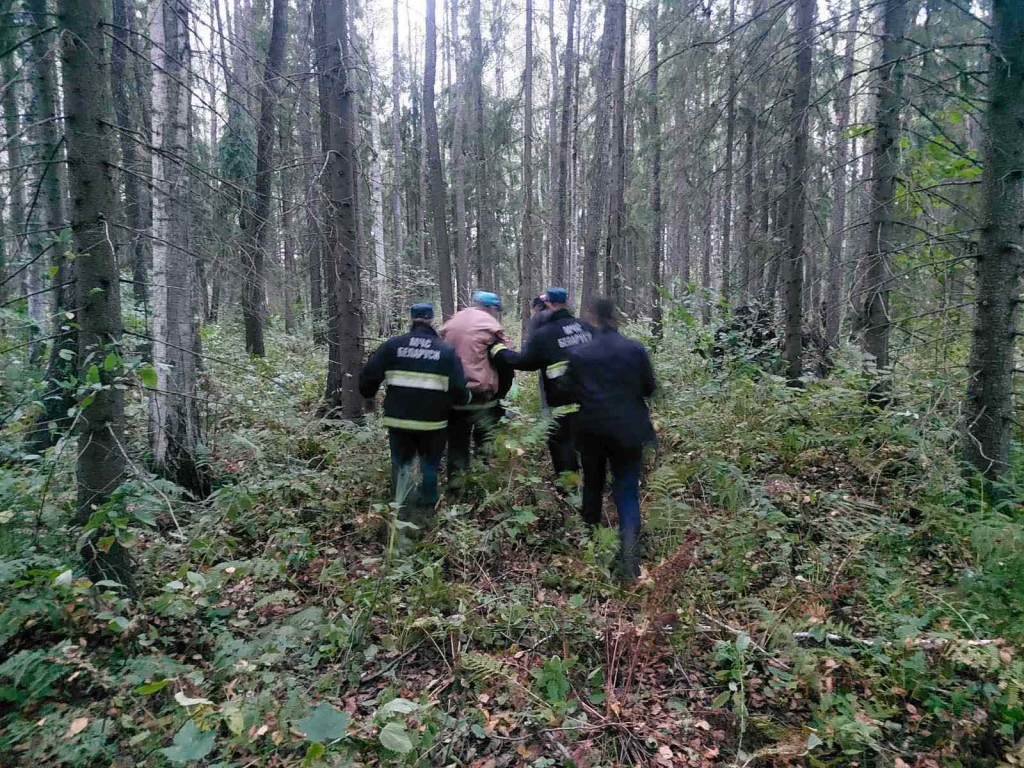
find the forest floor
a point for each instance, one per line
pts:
(821, 587)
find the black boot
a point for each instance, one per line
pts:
(629, 558)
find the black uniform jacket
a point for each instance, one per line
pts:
(611, 378)
(424, 379)
(547, 350)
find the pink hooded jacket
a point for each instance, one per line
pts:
(472, 331)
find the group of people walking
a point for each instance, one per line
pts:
(445, 388)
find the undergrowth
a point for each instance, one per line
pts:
(822, 587)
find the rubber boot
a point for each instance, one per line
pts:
(629, 558)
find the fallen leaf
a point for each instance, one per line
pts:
(704, 725)
(77, 726)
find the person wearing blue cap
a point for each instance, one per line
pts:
(424, 379)
(547, 351)
(477, 335)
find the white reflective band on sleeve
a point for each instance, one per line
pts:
(555, 370)
(417, 380)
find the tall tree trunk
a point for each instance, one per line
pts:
(747, 223)
(559, 266)
(101, 453)
(617, 205)
(654, 134)
(313, 198)
(345, 345)
(173, 412)
(438, 193)
(836, 271)
(990, 413)
(885, 159)
(287, 232)
(552, 138)
(599, 160)
(377, 195)
(57, 400)
(527, 284)
(123, 23)
(730, 135)
(396, 137)
(256, 223)
(481, 208)
(462, 267)
(797, 191)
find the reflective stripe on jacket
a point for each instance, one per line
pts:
(547, 351)
(424, 379)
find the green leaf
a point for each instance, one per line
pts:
(814, 740)
(149, 688)
(148, 375)
(394, 737)
(313, 753)
(396, 707)
(54, 271)
(66, 354)
(721, 699)
(324, 724)
(189, 744)
(111, 361)
(92, 376)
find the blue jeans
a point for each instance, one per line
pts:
(597, 452)
(406, 446)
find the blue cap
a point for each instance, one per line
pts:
(487, 299)
(557, 295)
(422, 311)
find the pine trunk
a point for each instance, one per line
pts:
(990, 412)
(885, 161)
(462, 266)
(654, 138)
(527, 283)
(344, 341)
(616, 254)
(730, 135)
(797, 192)
(101, 453)
(599, 159)
(559, 267)
(438, 193)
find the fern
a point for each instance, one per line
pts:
(275, 598)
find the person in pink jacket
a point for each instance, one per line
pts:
(476, 334)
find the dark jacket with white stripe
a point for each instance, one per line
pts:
(547, 351)
(424, 379)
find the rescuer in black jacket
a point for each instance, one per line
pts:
(424, 380)
(547, 351)
(612, 378)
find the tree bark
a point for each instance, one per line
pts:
(730, 135)
(654, 139)
(101, 455)
(527, 283)
(836, 271)
(313, 198)
(396, 137)
(174, 424)
(747, 223)
(885, 159)
(377, 196)
(599, 162)
(617, 205)
(123, 22)
(558, 252)
(990, 412)
(256, 219)
(344, 343)
(287, 233)
(797, 191)
(462, 266)
(438, 193)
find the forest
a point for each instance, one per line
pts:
(212, 212)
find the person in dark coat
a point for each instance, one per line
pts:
(611, 378)
(424, 380)
(546, 351)
(541, 314)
